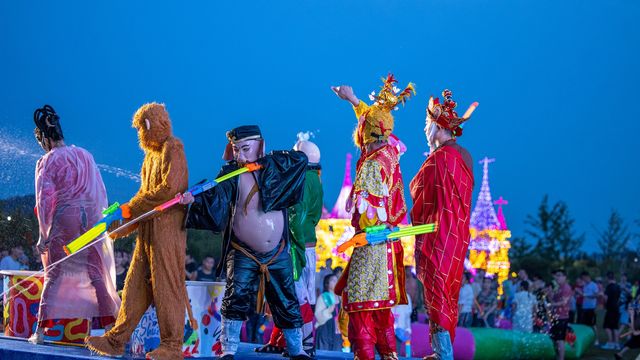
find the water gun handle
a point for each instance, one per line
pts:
(359, 239)
(374, 238)
(115, 216)
(372, 235)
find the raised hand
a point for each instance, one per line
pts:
(345, 92)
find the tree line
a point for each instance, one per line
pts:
(19, 226)
(552, 241)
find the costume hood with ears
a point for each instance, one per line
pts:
(239, 134)
(308, 148)
(153, 125)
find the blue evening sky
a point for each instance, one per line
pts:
(557, 83)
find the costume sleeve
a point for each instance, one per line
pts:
(370, 194)
(173, 180)
(45, 196)
(305, 215)
(297, 217)
(303, 218)
(360, 109)
(297, 224)
(281, 180)
(211, 209)
(299, 212)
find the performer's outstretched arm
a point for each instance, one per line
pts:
(211, 209)
(345, 92)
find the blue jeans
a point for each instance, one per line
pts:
(441, 343)
(465, 319)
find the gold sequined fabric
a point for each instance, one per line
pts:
(368, 278)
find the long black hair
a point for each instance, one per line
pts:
(47, 124)
(326, 280)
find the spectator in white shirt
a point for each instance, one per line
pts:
(465, 303)
(524, 306)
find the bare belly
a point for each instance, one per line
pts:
(259, 230)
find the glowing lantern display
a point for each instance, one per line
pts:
(489, 245)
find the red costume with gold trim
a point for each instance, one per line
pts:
(441, 194)
(373, 281)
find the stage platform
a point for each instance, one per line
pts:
(21, 350)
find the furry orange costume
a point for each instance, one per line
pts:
(157, 272)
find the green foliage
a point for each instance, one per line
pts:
(519, 248)
(202, 243)
(125, 244)
(613, 240)
(556, 244)
(552, 228)
(22, 229)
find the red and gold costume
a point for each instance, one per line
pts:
(373, 281)
(441, 194)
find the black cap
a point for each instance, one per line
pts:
(245, 132)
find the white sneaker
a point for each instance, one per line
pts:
(36, 339)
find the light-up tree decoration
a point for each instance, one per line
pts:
(489, 245)
(335, 228)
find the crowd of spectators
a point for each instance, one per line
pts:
(528, 304)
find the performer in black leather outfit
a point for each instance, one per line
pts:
(251, 211)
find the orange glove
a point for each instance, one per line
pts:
(357, 240)
(126, 211)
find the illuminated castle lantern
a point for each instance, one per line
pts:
(489, 246)
(335, 227)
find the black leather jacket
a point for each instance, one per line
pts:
(281, 185)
